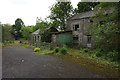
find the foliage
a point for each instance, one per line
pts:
(17, 28)
(41, 24)
(60, 12)
(6, 32)
(85, 50)
(63, 51)
(52, 46)
(85, 6)
(113, 55)
(104, 29)
(98, 52)
(37, 50)
(44, 25)
(56, 50)
(7, 43)
(26, 31)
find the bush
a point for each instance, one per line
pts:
(63, 51)
(113, 55)
(98, 52)
(51, 46)
(37, 49)
(56, 50)
(85, 50)
(20, 41)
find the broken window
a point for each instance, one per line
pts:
(91, 21)
(88, 38)
(76, 27)
(35, 38)
(75, 37)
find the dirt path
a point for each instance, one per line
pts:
(20, 62)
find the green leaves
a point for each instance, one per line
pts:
(104, 29)
(26, 32)
(60, 12)
(85, 6)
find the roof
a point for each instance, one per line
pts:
(82, 15)
(52, 29)
(61, 32)
(36, 32)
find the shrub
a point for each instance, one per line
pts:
(37, 49)
(98, 52)
(20, 41)
(63, 51)
(51, 46)
(56, 50)
(85, 50)
(113, 55)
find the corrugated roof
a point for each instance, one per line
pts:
(36, 32)
(82, 15)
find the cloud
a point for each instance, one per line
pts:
(27, 10)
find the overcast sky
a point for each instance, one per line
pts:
(27, 10)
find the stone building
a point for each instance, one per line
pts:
(78, 24)
(35, 37)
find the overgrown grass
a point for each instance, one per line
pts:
(86, 57)
(89, 54)
(44, 51)
(7, 43)
(60, 50)
(27, 45)
(39, 50)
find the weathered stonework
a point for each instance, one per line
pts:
(35, 37)
(78, 24)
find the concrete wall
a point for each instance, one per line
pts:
(81, 32)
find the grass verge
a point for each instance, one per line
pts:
(101, 65)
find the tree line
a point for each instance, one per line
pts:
(104, 29)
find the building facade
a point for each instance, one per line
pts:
(35, 37)
(78, 25)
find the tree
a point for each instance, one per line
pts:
(6, 32)
(60, 12)
(104, 29)
(17, 27)
(44, 25)
(26, 31)
(85, 6)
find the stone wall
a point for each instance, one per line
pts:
(81, 31)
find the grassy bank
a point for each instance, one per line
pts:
(106, 67)
(7, 43)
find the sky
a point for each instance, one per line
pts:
(27, 10)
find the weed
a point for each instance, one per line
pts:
(56, 50)
(37, 49)
(85, 50)
(63, 51)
